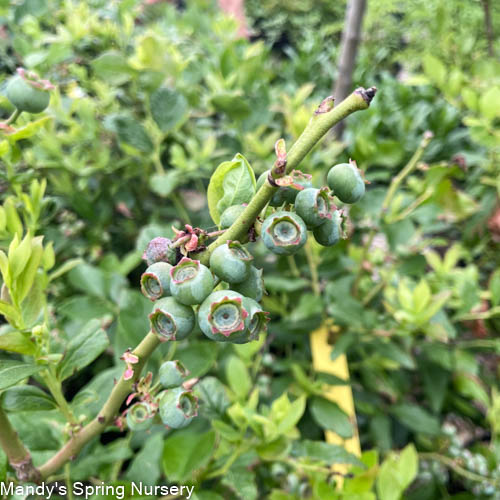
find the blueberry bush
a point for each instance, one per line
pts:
(182, 237)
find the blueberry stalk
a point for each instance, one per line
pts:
(323, 120)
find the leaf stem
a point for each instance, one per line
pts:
(55, 389)
(13, 117)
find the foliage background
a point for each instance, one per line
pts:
(149, 100)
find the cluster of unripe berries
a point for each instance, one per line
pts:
(284, 232)
(175, 405)
(225, 315)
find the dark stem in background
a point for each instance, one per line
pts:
(490, 36)
(351, 37)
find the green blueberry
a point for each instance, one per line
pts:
(177, 407)
(284, 233)
(140, 417)
(346, 182)
(28, 93)
(160, 250)
(171, 320)
(230, 215)
(155, 281)
(172, 374)
(328, 234)
(253, 286)
(313, 206)
(299, 179)
(231, 262)
(191, 282)
(223, 317)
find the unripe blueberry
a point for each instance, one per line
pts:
(284, 233)
(140, 417)
(27, 92)
(172, 374)
(313, 206)
(346, 182)
(160, 250)
(258, 319)
(328, 234)
(171, 320)
(191, 281)
(304, 180)
(155, 281)
(223, 317)
(231, 262)
(177, 407)
(253, 286)
(279, 197)
(230, 215)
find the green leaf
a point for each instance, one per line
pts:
(12, 372)
(232, 183)
(416, 418)
(198, 357)
(27, 398)
(212, 396)
(342, 344)
(325, 452)
(328, 415)
(494, 287)
(88, 279)
(145, 467)
(83, 349)
(10, 313)
(237, 377)
(471, 386)
(291, 418)
(19, 256)
(33, 303)
(16, 342)
(131, 132)
(434, 69)
(421, 296)
(489, 103)
(241, 480)
(232, 104)
(164, 184)
(27, 277)
(29, 130)
(279, 284)
(113, 68)
(397, 473)
(169, 108)
(185, 452)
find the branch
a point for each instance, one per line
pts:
(19, 457)
(348, 51)
(322, 121)
(120, 391)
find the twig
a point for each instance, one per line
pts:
(108, 411)
(490, 37)
(452, 464)
(351, 36)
